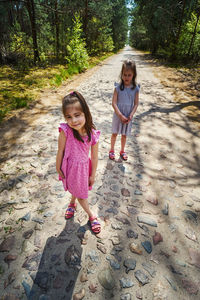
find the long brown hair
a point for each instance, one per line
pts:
(128, 65)
(73, 98)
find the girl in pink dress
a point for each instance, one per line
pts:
(76, 170)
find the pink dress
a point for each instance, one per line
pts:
(76, 164)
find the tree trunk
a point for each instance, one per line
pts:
(85, 20)
(180, 25)
(31, 12)
(57, 30)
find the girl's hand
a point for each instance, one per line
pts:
(61, 174)
(123, 119)
(91, 180)
(129, 119)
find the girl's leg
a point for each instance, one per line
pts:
(112, 146)
(123, 142)
(113, 140)
(123, 154)
(73, 200)
(95, 225)
(71, 208)
(85, 206)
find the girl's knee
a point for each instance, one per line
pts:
(114, 134)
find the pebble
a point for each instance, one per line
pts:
(190, 216)
(147, 246)
(171, 282)
(26, 217)
(138, 192)
(80, 295)
(152, 199)
(106, 279)
(157, 238)
(195, 257)
(125, 192)
(129, 264)
(149, 268)
(132, 234)
(116, 226)
(146, 220)
(141, 277)
(135, 248)
(125, 297)
(191, 287)
(126, 282)
(7, 244)
(165, 211)
(113, 263)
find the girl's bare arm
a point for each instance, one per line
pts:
(136, 102)
(94, 161)
(60, 152)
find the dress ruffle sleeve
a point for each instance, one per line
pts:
(95, 136)
(64, 127)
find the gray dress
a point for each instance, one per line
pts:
(125, 102)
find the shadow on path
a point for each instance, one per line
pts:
(59, 265)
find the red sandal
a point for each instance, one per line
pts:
(70, 210)
(95, 225)
(112, 155)
(123, 155)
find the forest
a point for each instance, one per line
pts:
(42, 30)
(169, 28)
(44, 42)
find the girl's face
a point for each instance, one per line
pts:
(127, 76)
(75, 118)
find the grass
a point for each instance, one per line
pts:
(18, 88)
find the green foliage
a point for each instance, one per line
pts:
(119, 23)
(166, 27)
(2, 114)
(76, 51)
(98, 43)
(186, 36)
(60, 77)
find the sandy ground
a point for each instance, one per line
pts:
(160, 181)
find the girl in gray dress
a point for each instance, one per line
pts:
(125, 102)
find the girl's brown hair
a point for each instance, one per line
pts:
(128, 65)
(73, 98)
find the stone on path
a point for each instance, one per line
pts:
(146, 220)
(149, 268)
(135, 248)
(106, 279)
(80, 295)
(126, 282)
(7, 244)
(147, 246)
(125, 192)
(195, 257)
(125, 297)
(157, 238)
(129, 264)
(189, 215)
(152, 199)
(141, 277)
(190, 286)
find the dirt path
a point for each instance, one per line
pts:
(149, 205)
